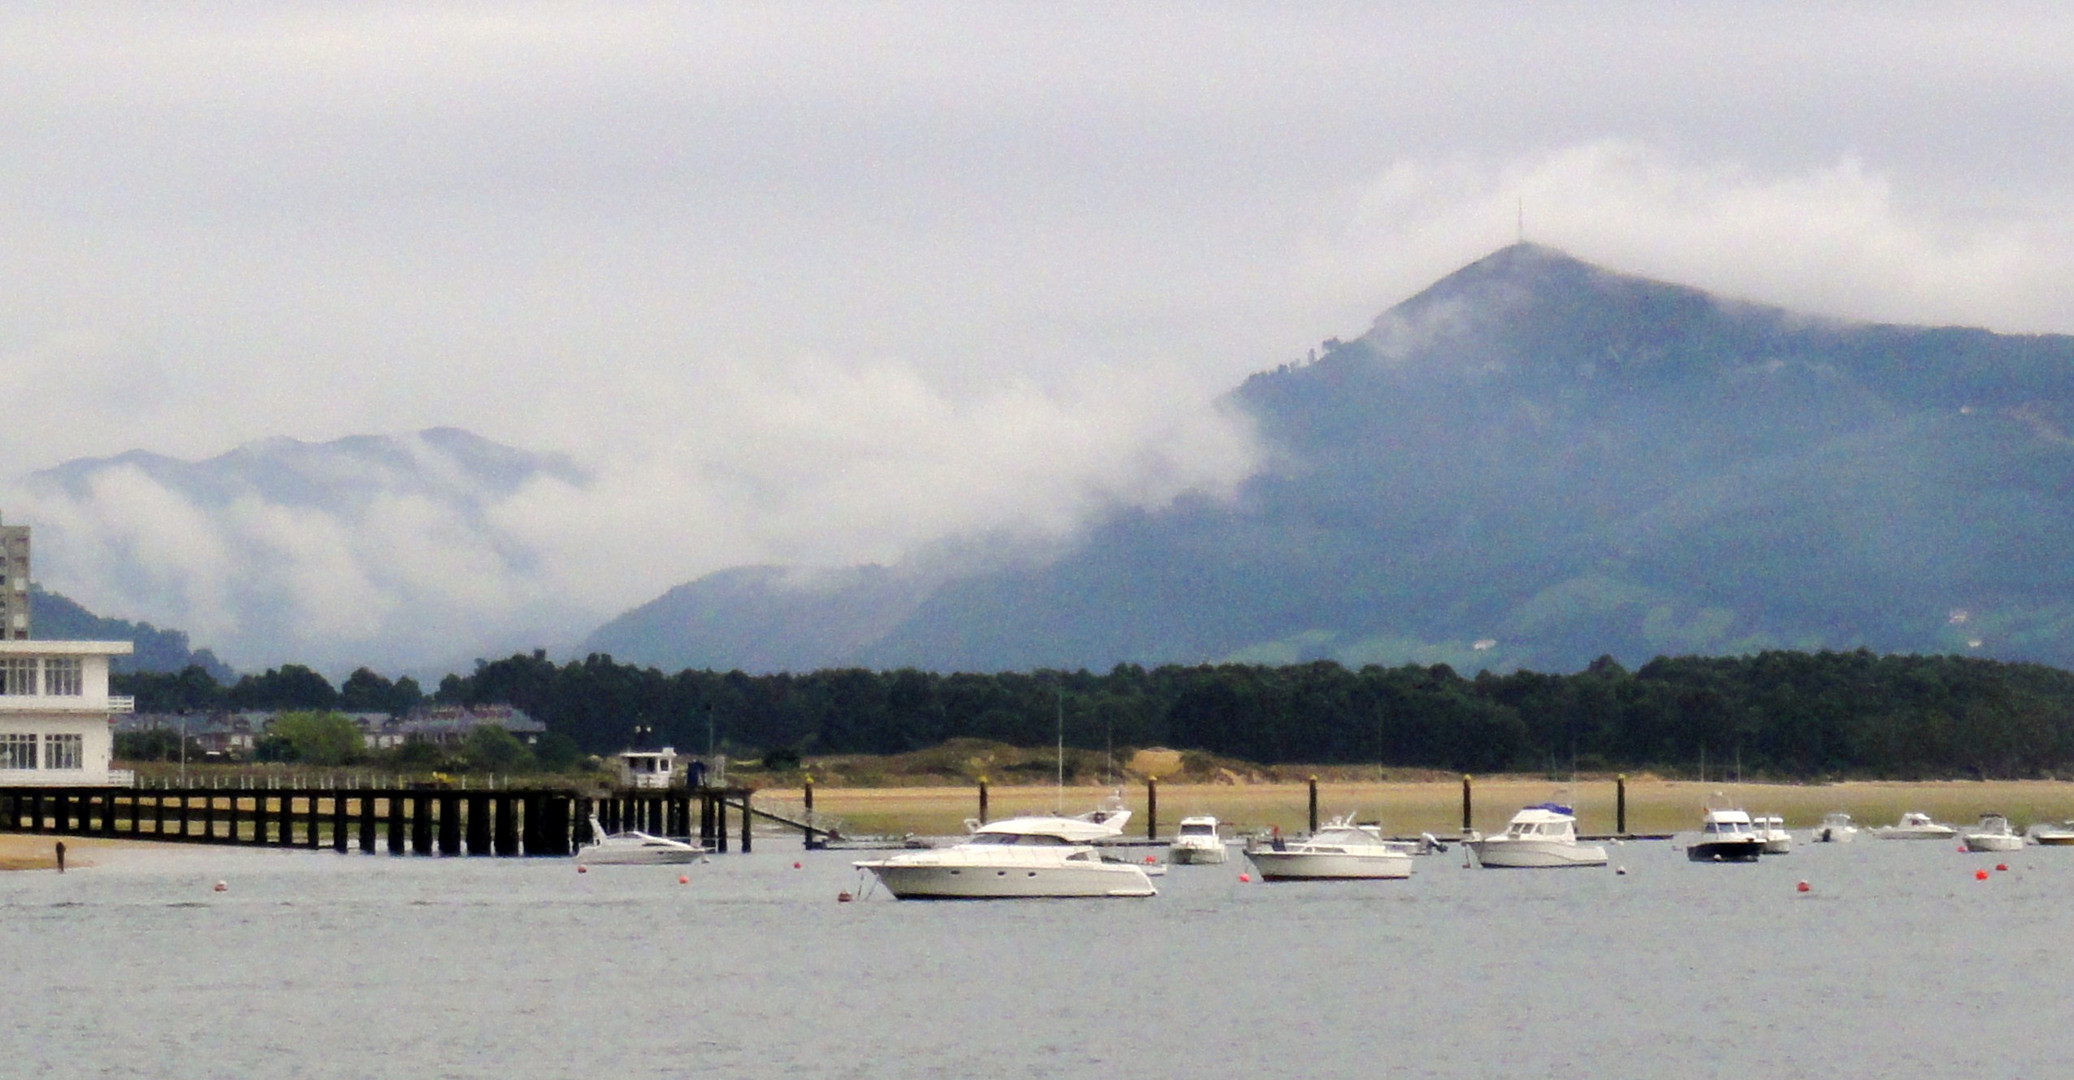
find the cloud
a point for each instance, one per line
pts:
(1839, 238)
(412, 553)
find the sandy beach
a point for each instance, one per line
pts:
(24, 851)
(1409, 808)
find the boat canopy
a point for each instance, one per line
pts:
(1554, 808)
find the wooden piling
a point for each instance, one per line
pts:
(259, 816)
(982, 800)
(1620, 805)
(395, 829)
(719, 824)
(1466, 806)
(807, 793)
(449, 824)
(421, 824)
(747, 819)
(504, 830)
(1314, 805)
(531, 826)
(1152, 808)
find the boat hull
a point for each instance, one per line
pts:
(1746, 850)
(2054, 839)
(1994, 842)
(939, 882)
(1835, 834)
(1498, 854)
(594, 856)
(1315, 866)
(1937, 832)
(948, 875)
(1193, 855)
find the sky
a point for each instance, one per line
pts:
(826, 284)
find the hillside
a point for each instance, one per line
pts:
(1532, 463)
(58, 618)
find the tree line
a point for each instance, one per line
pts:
(1784, 714)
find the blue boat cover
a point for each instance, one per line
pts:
(1556, 807)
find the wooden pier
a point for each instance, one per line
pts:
(418, 821)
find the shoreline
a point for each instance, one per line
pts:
(1654, 806)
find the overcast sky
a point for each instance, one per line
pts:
(818, 283)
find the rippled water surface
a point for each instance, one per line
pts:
(1896, 963)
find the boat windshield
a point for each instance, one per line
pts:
(1198, 830)
(1024, 839)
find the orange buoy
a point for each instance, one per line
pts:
(1148, 860)
(683, 879)
(1245, 877)
(1980, 875)
(1802, 887)
(2002, 866)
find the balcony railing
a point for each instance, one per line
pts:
(122, 703)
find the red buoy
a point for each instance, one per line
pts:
(2002, 866)
(842, 897)
(683, 879)
(1148, 860)
(1803, 886)
(582, 869)
(1980, 875)
(795, 866)
(1245, 877)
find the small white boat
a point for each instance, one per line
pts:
(1198, 842)
(2061, 835)
(1042, 855)
(1836, 828)
(633, 848)
(1726, 835)
(1993, 834)
(1542, 835)
(1341, 850)
(1772, 827)
(1915, 825)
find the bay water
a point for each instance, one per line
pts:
(1896, 962)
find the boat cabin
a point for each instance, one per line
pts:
(647, 768)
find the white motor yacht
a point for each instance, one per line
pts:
(1772, 827)
(1036, 856)
(633, 848)
(1993, 834)
(2061, 835)
(1340, 850)
(1915, 826)
(1836, 828)
(1726, 836)
(1542, 835)
(1197, 842)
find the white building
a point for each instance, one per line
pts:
(55, 711)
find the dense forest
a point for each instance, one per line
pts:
(1782, 714)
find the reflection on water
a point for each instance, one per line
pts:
(1896, 963)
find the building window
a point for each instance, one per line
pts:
(17, 751)
(61, 676)
(18, 675)
(63, 751)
